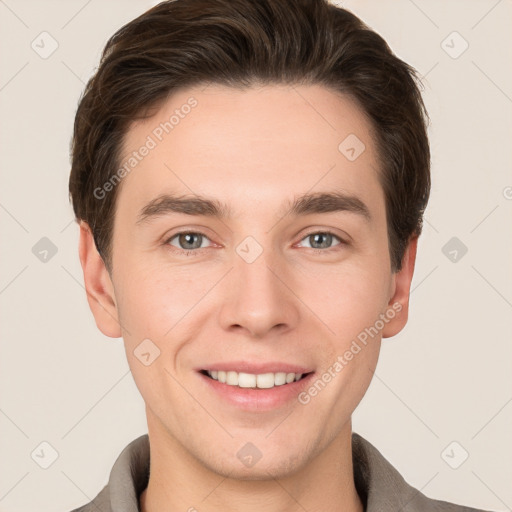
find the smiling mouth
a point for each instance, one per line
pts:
(253, 381)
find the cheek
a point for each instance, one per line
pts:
(152, 308)
(155, 300)
(352, 298)
(352, 305)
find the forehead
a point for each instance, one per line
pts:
(250, 147)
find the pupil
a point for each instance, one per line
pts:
(326, 235)
(186, 238)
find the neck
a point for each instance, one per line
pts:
(179, 481)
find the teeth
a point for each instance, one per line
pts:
(249, 380)
(290, 377)
(232, 378)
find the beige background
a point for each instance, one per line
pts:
(447, 377)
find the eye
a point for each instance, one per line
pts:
(322, 240)
(188, 241)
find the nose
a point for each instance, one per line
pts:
(259, 297)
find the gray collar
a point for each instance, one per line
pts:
(378, 483)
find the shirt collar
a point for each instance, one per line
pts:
(378, 483)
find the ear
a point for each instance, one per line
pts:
(98, 285)
(399, 302)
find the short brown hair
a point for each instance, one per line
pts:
(239, 43)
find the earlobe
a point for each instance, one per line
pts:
(98, 285)
(398, 307)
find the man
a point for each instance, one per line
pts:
(250, 180)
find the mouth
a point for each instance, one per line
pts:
(244, 380)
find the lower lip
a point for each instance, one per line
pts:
(259, 399)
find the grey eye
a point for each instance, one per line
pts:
(188, 240)
(321, 240)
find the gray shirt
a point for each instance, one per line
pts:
(378, 483)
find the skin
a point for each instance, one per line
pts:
(253, 149)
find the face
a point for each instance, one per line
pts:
(251, 282)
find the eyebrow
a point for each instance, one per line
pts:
(305, 204)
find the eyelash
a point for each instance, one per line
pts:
(196, 252)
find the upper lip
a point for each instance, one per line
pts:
(256, 368)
